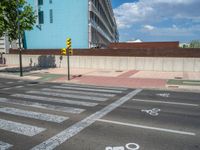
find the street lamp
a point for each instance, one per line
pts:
(19, 38)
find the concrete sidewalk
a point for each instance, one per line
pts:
(120, 78)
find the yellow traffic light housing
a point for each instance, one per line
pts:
(70, 51)
(63, 51)
(69, 43)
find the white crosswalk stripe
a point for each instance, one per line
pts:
(20, 128)
(33, 115)
(68, 95)
(79, 92)
(56, 100)
(87, 89)
(4, 146)
(95, 87)
(43, 106)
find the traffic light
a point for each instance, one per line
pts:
(70, 51)
(69, 44)
(63, 51)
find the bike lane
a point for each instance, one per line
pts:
(145, 126)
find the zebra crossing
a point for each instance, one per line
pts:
(4, 146)
(60, 103)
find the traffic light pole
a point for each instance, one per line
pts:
(20, 50)
(68, 64)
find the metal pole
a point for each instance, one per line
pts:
(68, 65)
(19, 38)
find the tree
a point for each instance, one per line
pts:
(9, 19)
(195, 44)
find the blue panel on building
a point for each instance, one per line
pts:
(62, 19)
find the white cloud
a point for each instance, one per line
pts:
(173, 31)
(149, 27)
(148, 11)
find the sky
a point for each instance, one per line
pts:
(158, 20)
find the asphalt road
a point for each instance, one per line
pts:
(39, 116)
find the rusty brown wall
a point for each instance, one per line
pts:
(144, 45)
(148, 52)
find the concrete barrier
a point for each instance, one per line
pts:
(116, 63)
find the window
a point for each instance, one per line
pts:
(41, 17)
(40, 2)
(51, 15)
(50, 1)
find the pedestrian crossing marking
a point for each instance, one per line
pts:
(43, 106)
(4, 146)
(68, 95)
(20, 128)
(79, 92)
(33, 115)
(87, 89)
(95, 87)
(56, 100)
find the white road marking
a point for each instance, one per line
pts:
(152, 112)
(66, 134)
(34, 115)
(165, 102)
(56, 100)
(163, 94)
(95, 87)
(20, 128)
(115, 148)
(87, 89)
(4, 146)
(132, 146)
(68, 95)
(20, 86)
(79, 92)
(147, 127)
(9, 82)
(43, 106)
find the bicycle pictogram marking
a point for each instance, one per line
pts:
(152, 112)
(129, 146)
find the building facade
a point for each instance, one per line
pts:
(89, 23)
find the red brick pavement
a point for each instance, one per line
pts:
(121, 82)
(128, 74)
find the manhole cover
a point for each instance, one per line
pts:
(178, 77)
(118, 71)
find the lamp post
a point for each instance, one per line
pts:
(19, 38)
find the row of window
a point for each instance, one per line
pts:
(41, 16)
(40, 2)
(97, 21)
(103, 14)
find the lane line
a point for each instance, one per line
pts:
(20, 128)
(9, 82)
(56, 100)
(20, 86)
(79, 92)
(43, 106)
(147, 127)
(66, 134)
(95, 87)
(68, 96)
(33, 115)
(4, 146)
(87, 89)
(165, 102)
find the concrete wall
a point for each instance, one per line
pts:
(116, 63)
